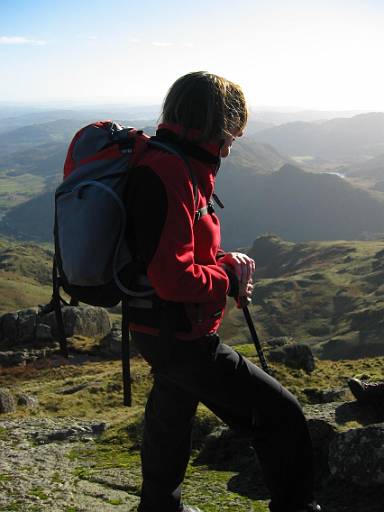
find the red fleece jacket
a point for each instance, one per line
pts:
(182, 263)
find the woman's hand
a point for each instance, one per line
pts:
(242, 265)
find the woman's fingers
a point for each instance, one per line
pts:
(243, 265)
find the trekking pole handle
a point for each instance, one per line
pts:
(243, 302)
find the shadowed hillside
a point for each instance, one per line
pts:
(295, 205)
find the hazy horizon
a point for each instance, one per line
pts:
(120, 103)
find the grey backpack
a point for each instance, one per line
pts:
(92, 262)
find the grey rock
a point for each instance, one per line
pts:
(69, 390)
(83, 320)
(43, 332)
(278, 341)
(322, 396)
(73, 433)
(9, 327)
(26, 325)
(7, 401)
(10, 358)
(27, 400)
(322, 426)
(226, 449)
(294, 355)
(358, 455)
(110, 345)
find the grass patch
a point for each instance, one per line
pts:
(16, 189)
(39, 492)
(3, 434)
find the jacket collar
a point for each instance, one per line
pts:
(206, 152)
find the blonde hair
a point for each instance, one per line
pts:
(208, 103)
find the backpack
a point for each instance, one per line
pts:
(92, 261)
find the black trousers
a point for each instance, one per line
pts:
(243, 396)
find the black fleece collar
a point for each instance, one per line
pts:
(189, 148)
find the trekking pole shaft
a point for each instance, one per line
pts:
(256, 340)
(126, 367)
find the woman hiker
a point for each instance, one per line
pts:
(177, 247)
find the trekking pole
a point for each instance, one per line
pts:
(256, 340)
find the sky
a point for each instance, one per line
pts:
(313, 54)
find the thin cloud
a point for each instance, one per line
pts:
(161, 43)
(17, 40)
(86, 37)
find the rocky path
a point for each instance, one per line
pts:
(38, 472)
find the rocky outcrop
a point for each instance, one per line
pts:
(33, 324)
(323, 396)
(22, 357)
(358, 455)
(30, 334)
(88, 321)
(355, 455)
(110, 345)
(57, 457)
(294, 355)
(41, 470)
(7, 401)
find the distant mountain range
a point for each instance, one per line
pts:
(262, 188)
(342, 139)
(290, 202)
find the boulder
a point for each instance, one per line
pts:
(10, 358)
(26, 325)
(7, 401)
(82, 320)
(226, 449)
(9, 327)
(43, 332)
(69, 390)
(294, 355)
(110, 345)
(27, 400)
(278, 341)
(358, 455)
(70, 433)
(322, 396)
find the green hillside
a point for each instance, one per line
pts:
(328, 294)
(25, 275)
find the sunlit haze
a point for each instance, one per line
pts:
(312, 54)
